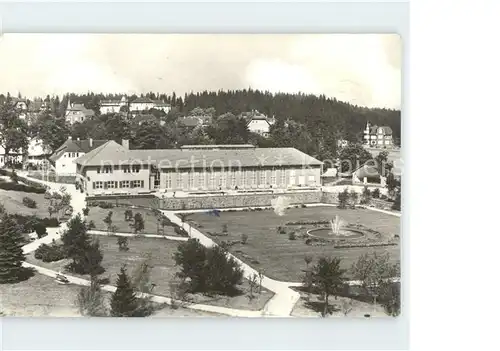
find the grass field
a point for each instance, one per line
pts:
(13, 203)
(281, 258)
(42, 296)
(98, 214)
(163, 272)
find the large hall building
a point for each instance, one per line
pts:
(113, 168)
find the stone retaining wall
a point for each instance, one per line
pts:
(227, 201)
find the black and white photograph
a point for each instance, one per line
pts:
(201, 175)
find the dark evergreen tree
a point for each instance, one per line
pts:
(11, 252)
(124, 302)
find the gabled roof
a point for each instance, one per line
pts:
(112, 153)
(108, 153)
(142, 101)
(387, 130)
(76, 146)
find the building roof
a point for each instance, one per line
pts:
(387, 130)
(112, 153)
(142, 100)
(76, 146)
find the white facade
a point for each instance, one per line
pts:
(66, 165)
(112, 106)
(141, 106)
(260, 126)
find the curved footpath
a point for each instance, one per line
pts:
(280, 305)
(78, 204)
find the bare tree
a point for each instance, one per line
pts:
(254, 282)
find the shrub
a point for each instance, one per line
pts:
(21, 187)
(122, 242)
(86, 211)
(40, 230)
(353, 199)
(292, 236)
(50, 222)
(343, 198)
(366, 196)
(210, 270)
(376, 193)
(90, 225)
(244, 238)
(105, 205)
(50, 253)
(397, 202)
(29, 202)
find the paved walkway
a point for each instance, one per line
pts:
(280, 305)
(78, 204)
(156, 236)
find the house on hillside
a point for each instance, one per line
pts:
(162, 105)
(378, 136)
(259, 123)
(36, 156)
(77, 113)
(63, 158)
(115, 169)
(142, 104)
(112, 106)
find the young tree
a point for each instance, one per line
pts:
(374, 271)
(122, 242)
(397, 202)
(141, 282)
(108, 220)
(328, 278)
(11, 251)
(253, 282)
(90, 299)
(366, 196)
(138, 223)
(307, 260)
(353, 199)
(128, 215)
(343, 199)
(124, 302)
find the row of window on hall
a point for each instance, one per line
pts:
(126, 169)
(113, 184)
(72, 154)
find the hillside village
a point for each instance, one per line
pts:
(275, 188)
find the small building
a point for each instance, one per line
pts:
(115, 169)
(37, 155)
(77, 113)
(378, 136)
(112, 106)
(142, 104)
(162, 106)
(63, 158)
(259, 123)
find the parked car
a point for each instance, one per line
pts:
(61, 279)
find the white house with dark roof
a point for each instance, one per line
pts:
(112, 106)
(378, 136)
(142, 104)
(115, 169)
(77, 113)
(259, 123)
(63, 159)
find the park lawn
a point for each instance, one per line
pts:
(39, 296)
(314, 306)
(13, 203)
(24, 299)
(163, 272)
(98, 214)
(283, 259)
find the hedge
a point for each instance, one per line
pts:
(21, 187)
(49, 253)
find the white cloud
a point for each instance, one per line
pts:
(362, 69)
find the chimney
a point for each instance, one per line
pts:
(91, 142)
(125, 143)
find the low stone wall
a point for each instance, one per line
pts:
(199, 202)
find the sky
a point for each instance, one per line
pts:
(363, 69)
